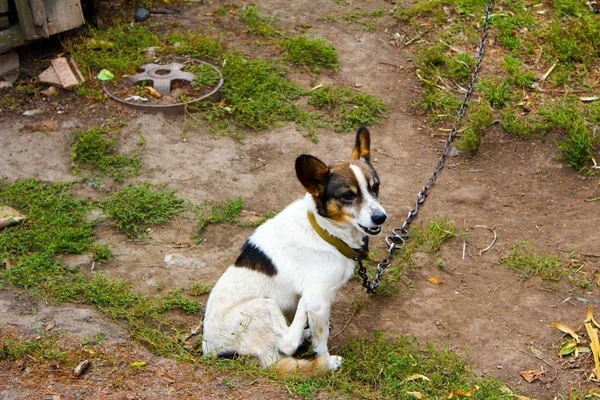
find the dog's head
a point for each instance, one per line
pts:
(345, 192)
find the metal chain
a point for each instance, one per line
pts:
(399, 235)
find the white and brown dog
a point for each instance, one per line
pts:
(292, 266)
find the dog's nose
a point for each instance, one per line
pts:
(378, 219)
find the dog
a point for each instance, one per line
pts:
(290, 269)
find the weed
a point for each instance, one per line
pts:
(350, 109)
(512, 66)
(228, 212)
(526, 127)
(96, 148)
(101, 253)
(427, 239)
(44, 347)
(479, 119)
(56, 221)
(205, 76)
(120, 49)
(524, 259)
(259, 25)
(497, 94)
(176, 300)
(135, 207)
(197, 289)
(314, 53)
(197, 45)
(385, 368)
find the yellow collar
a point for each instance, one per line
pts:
(340, 245)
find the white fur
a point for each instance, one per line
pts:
(246, 308)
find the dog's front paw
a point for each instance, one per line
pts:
(335, 362)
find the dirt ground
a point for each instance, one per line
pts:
(481, 310)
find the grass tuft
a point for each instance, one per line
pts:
(135, 207)
(95, 149)
(228, 212)
(314, 53)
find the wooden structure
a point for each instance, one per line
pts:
(24, 20)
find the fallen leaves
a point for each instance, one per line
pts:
(531, 375)
(435, 281)
(577, 344)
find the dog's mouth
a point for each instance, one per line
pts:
(371, 231)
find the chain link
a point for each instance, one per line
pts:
(399, 235)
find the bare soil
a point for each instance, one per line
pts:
(481, 309)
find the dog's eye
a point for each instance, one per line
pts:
(375, 188)
(348, 196)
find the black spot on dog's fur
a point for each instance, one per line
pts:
(255, 259)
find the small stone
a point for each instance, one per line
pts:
(51, 91)
(181, 261)
(453, 152)
(42, 126)
(32, 113)
(472, 195)
(142, 14)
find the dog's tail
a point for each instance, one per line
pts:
(303, 368)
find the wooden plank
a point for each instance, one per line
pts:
(63, 15)
(3, 6)
(11, 38)
(38, 13)
(26, 20)
(4, 22)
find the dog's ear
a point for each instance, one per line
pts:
(312, 173)
(362, 147)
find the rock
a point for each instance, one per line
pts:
(42, 126)
(32, 113)
(142, 14)
(9, 67)
(453, 152)
(63, 73)
(51, 91)
(9, 216)
(179, 260)
(472, 195)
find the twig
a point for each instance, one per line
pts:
(417, 37)
(581, 254)
(390, 64)
(493, 241)
(539, 358)
(347, 322)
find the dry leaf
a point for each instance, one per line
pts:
(50, 325)
(566, 329)
(416, 395)
(137, 364)
(594, 341)
(435, 281)
(8, 263)
(590, 317)
(460, 393)
(153, 92)
(415, 377)
(531, 375)
(80, 369)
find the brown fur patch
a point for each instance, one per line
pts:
(303, 368)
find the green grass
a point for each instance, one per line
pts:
(478, 120)
(530, 39)
(56, 222)
(314, 53)
(197, 45)
(135, 207)
(206, 76)
(228, 212)
(524, 259)
(386, 368)
(120, 49)
(348, 109)
(267, 27)
(95, 149)
(426, 239)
